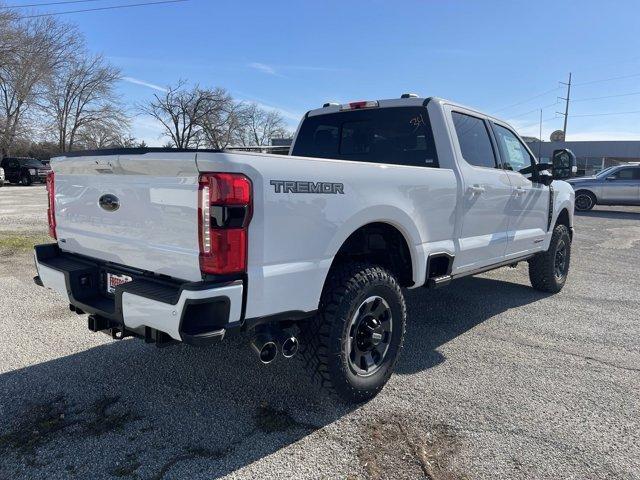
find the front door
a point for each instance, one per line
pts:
(621, 187)
(528, 207)
(486, 194)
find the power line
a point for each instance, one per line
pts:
(547, 92)
(608, 79)
(606, 114)
(511, 117)
(104, 8)
(606, 96)
(6, 7)
(545, 120)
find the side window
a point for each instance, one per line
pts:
(474, 140)
(513, 153)
(625, 174)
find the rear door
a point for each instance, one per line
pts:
(485, 195)
(528, 207)
(622, 186)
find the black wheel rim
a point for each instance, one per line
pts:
(583, 202)
(560, 260)
(370, 331)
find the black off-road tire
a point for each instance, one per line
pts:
(326, 338)
(544, 271)
(585, 201)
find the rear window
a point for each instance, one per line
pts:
(398, 135)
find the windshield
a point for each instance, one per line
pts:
(31, 162)
(605, 172)
(398, 135)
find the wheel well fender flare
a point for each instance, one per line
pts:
(389, 215)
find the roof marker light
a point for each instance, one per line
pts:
(359, 105)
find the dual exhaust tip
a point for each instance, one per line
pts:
(266, 343)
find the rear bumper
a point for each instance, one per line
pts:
(198, 313)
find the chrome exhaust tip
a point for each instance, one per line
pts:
(289, 345)
(265, 347)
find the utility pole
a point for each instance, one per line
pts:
(566, 106)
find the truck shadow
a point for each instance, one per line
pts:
(125, 409)
(437, 316)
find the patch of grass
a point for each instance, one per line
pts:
(397, 448)
(42, 423)
(11, 243)
(37, 426)
(105, 419)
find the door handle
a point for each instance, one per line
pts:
(475, 189)
(520, 191)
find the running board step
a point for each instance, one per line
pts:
(438, 282)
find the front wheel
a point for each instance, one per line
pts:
(548, 270)
(25, 179)
(584, 201)
(352, 344)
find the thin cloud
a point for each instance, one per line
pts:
(144, 83)
(264, 68)
(248, 98)
(285, 113)
(276, 70)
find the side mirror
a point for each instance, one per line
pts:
(564, 164)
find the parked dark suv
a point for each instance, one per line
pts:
(24, 170)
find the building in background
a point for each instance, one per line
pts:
(591, 156)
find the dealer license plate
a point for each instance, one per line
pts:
(114, 280)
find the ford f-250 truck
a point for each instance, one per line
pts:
(375, 197)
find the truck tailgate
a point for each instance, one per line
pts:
(154, 226)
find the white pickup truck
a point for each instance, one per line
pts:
(376, 196)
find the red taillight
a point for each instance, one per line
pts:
(223, 217)
(51, 210)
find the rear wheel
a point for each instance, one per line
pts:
(548, 270)
(353, 343)
(585, 201)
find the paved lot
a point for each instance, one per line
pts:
(496, 381)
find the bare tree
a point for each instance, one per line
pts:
(105, 134)
(223, 123)
(8, 43)
(261, 125)
(37, 48)
(80, 97)
(182, 112)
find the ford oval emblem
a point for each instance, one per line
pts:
(109, 202)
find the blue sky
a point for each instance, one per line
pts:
(295, 55)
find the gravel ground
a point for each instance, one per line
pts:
(496, 380)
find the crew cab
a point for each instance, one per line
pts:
(375, 197)
(24, 170)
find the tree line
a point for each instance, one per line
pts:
(56, 96)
